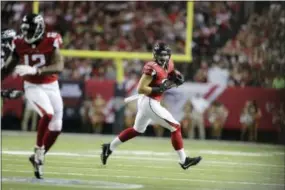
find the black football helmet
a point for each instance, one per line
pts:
(162, 54)
(32, 27)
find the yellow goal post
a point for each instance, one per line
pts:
(118, 57)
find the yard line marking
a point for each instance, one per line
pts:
(72, 183)
(157, 178)
(239, 153)
(150, 166)
(68, 154)
(208, 152)
(120, 170)
(202, 151)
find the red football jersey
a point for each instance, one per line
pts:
(159, 74)
(38, 55)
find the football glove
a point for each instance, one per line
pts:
(23, 70)
(177, 78)
(11, 94)
(165, 85)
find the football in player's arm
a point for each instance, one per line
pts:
(158, 76)
(175, 78)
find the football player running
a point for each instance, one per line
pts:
(158, 76)
(7, 35)
(40, 60)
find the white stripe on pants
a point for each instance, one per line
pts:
(150, 111)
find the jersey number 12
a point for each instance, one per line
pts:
(40, 58)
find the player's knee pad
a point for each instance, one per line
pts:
(55, 125)
(56, 122)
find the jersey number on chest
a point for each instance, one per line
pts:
(38, 60)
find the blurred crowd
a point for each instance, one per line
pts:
(256, 55)
(251, 52)
(126, 26)
(112, 26)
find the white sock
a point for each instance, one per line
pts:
(116, 142)
(182, 155)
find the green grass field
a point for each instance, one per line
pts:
(143, 163)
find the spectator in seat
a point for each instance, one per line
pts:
(278, 120)
(186, 121)
(191, 120)
(217, 116)
(130, 113)
(201, 74)
(249, 120)
(96, 114)
(84, 112)
(278, 82)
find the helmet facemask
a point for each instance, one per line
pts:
(162, 54)
(34, 30)
(162, 59)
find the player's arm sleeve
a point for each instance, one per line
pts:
(57, 61)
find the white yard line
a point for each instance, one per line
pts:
(156, 178)
(17, 159)
(90, 169)
(69, 154)
(203, 151)
(72, 183)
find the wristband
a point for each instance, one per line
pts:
(156, 90)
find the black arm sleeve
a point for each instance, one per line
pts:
(156, 90)
(10, 65)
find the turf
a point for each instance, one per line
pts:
(143, 163)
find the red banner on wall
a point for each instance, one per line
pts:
(13, 106)
(267, 100)
(105, 88)
(233, 98)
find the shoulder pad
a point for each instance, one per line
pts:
(149, 68)
(56, 38)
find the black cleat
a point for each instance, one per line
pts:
(190, 162)
(37, 167)
(106, 152)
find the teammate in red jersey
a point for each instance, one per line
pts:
(40, 61)
(158, 76)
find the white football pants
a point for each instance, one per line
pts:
(150, 111)
(46, 99)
